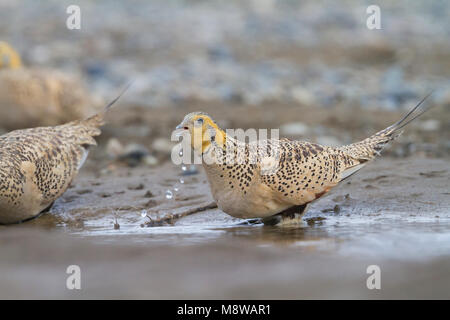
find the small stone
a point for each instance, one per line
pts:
(302, 96)
(328, 141)
(134, 154)
(139, 186)
(150, 161)
(294, 129)
(105, 195)
(114, 148)
(430, 125)
(162, 145)
(136, 148)
(337, 209)
(151, 203)
(148, 194)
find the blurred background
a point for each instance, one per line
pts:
(310, 68)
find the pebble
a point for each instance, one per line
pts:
(150, 161)
(329, 141)
(303, 96)
(148, 194)
(162, 145)
(114, 148)
(134, 154)
(430, 125)
(294, 129)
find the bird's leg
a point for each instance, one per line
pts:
(290, 216)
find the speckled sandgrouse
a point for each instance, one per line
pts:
(277, 186)
(31, 97)
(37, 165)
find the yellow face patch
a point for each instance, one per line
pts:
(9, 58)
(204, 130)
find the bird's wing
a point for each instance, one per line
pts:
(45, 159)
(306, 171)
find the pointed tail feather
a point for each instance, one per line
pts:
(109, 105)
(371, 147)
(98, 120)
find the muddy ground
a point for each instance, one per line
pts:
(394, 214)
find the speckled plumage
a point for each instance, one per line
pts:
(305, 171)
(37, 165)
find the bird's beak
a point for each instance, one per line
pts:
(179, 130)
(182, 125)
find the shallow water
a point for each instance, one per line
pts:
(401, 224)
(391, 219)
(385, 236)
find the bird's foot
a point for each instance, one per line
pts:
(289, 217)
(249, 222)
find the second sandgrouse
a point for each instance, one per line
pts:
(37, 165)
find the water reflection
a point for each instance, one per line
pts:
(390, 236)
(286, 235)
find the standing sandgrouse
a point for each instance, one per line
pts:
(276, 179)
(37, 165)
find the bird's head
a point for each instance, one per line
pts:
(9, 58)
(203, 130)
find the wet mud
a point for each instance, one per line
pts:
(394, 214)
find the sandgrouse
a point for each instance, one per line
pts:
(37, 165)
(31, 96)
(276, 179)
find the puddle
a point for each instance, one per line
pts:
(393, 235)
(404, 228)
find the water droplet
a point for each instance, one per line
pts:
(181, 180)
(180, 153)
(176, 189)
(169, 194)
(143, 213)
(188, 171)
